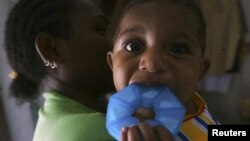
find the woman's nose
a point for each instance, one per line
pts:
(152, 61)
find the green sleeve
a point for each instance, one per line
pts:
(89, 127)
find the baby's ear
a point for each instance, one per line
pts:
(205, 64)
(45, 46)
(110, 59)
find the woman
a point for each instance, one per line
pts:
(58, 47)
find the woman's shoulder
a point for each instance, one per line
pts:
(76, 127)
(62, 111)
(81, 127)
(65, 120)
(56, 103)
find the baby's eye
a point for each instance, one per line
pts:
(179, 48)
(133, 47)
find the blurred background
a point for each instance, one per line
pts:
(225, 88)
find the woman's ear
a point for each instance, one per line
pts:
(205, 64)
(110, 59)
(45, 46)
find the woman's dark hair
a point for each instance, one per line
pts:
(190, 4)
(26, 20)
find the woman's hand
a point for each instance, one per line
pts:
(145, 132)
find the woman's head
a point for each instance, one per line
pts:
(68, 33)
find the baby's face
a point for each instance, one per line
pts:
(158, 44)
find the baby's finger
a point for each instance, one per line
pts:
(124, 134)
(134, 133)
(163, 134)
(147, 132)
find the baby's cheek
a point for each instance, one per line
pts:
(190, 85)
(186, 90)
(119, 79)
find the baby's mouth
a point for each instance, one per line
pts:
(147, 82)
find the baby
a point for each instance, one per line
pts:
(162, 42)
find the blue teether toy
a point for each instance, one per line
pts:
(169, 112)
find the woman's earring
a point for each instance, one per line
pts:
(53, 65)
(46, 63)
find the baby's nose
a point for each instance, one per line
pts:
(152, 61)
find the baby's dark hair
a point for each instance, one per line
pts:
(26, 20)
(190, 4)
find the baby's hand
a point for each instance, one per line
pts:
(144, 132)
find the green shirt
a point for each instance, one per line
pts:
(63, 119)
